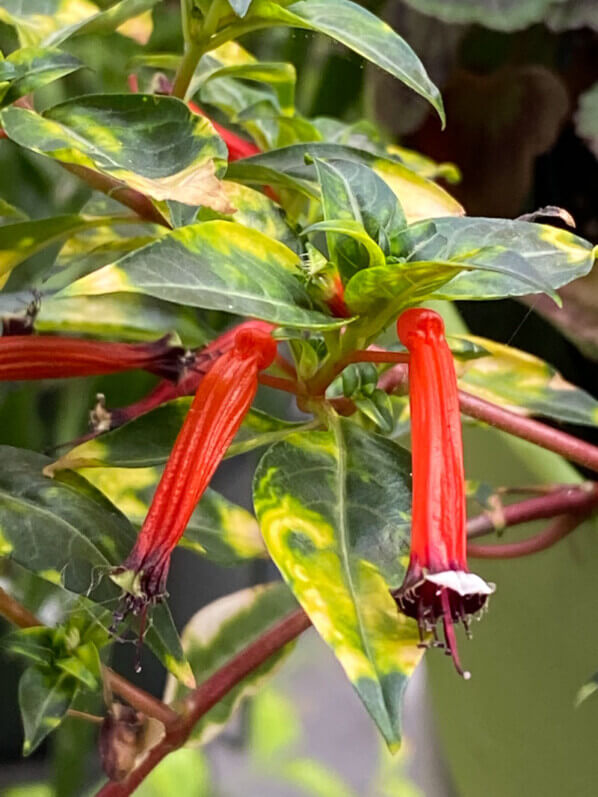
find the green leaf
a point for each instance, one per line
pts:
(122, 316)
(220, 631)
(361, 31)
(36, 644)
(334, 509)
(420, 198)
(587, 690)
(281, 77)
(153, 144)
(10, 213)
(23, 239)
(106, 21)
(522, 382)
(68, 533)
(356, 231)
(27, 69)
(390, 288)
(313, 777)
(216, 265)
(218, 529)
(44, 699)
(53, 21)
(521, 255)
(275, 726)
(505, 15)
(354, 191)
(259, 212)
(148, 440)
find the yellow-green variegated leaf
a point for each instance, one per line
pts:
(255, 210)
(525, 384)
(514, 257)
(66, 532)
(53, 21)
(25, 70)
(21, 240)
(220, 631)
(153, 144)
(424, 166)
(218, 529)
(390, 288)
(420, 198)
(120, 316)
(334, 509)
(358, 29)
(148, 440)
(216, 265)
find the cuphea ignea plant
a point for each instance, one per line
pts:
(282, 255)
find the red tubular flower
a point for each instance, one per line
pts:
(189, 382)
(53, 357)
(237, 147)
(438, 584)
(223, 398)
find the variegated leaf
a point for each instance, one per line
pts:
(218, 529)
(216, 265)
(153, 144)
(66, 532)
(221, 630)
(25, 70)
(334, 509)
(420, 198)
(525, 384)
(148, 440)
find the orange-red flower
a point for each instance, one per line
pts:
(53, 357)
(224, 397)
(438, 584)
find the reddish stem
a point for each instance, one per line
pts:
(569, 499)
(377, 356)
(559, 528)
(211, 692)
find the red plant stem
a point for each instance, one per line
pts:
(377, 356)
(278, 383)
(139, 203)
(528, 429)
(570, 499)
(211, 692)
(560, 527)
(53, 357)
(554, 440)
(12, 610)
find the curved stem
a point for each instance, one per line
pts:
(560, 527)
(529, 429)
(202, 699)
(554, 440)
(569, 499)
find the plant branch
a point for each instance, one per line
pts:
(529, 429)
(560, 527)
(202, 699)
(12, 610)
(575, 499)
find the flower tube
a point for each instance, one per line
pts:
(438, 584)
(223, 398)
(25, 357)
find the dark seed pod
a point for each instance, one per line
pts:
(120, 739)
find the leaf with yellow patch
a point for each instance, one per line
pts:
(334, 508)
